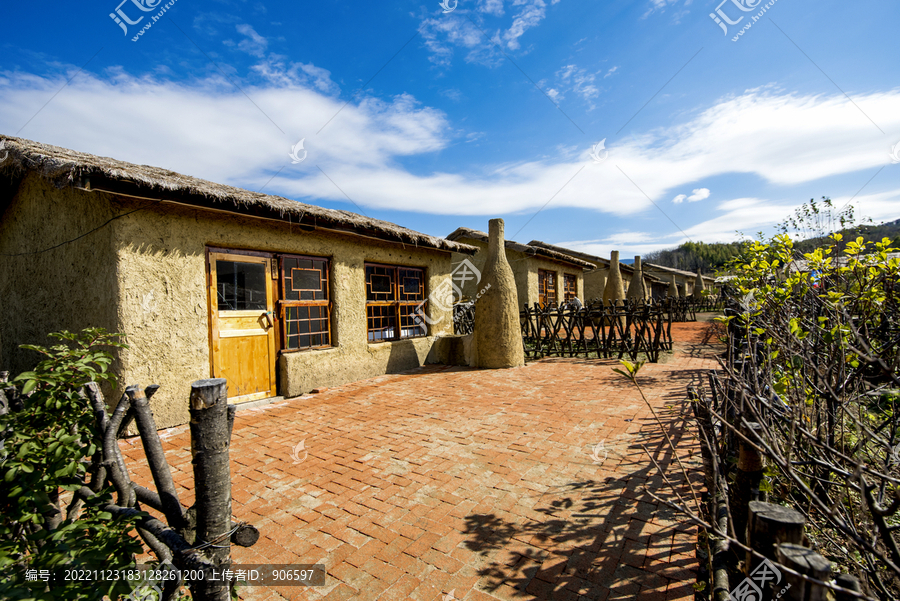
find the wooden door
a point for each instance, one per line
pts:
(242, 320)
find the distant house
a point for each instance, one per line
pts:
(208, 280)
(595, 277)
(683, 279)
(542, 275)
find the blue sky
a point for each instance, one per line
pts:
(494, 108)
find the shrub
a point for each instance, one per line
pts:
(47, 444)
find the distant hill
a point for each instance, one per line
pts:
(712, 257)
(692, 256)
(870, 233)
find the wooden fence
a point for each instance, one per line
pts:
(770, 538)
(197, 540)
(744, 427)
(630, 330)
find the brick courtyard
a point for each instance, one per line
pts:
(454, 483)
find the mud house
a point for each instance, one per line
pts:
(684, 280)
(208, 280)
(595, 276)
(542, 275)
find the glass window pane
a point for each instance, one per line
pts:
(306, 279)
(381, 283)
(241, 286)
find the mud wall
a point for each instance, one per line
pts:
(70, 287)
(525, 271)
(163, 290)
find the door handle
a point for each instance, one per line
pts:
(270, 323)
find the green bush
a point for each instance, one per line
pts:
(48, 446)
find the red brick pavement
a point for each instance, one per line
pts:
(477, 484)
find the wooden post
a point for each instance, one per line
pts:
(768, 525)
(849, 582)
(748, 477)
(809, 563)
(210, 440)
(246, 535)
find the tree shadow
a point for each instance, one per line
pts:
(603, 538)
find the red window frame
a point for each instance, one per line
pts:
(393, 293)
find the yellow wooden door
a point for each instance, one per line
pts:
(242, 319)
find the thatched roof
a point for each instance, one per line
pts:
(653, 267)
(65, 168)
(545, 253)
(593, 260)
(650, 269)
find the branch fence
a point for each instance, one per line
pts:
(627, 329)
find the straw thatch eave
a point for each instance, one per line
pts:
(662, 269)
(596, 263)
(69, 168)
(534, 251)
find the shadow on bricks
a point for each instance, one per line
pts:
(595, 539)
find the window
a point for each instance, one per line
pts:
(546, 287)
(570, 287)
(392, 296)
(305, 306)
(241, 286)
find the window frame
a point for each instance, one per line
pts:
(399, 299)
(284, 304)
(543, 276)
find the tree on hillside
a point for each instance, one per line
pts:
(692, 256)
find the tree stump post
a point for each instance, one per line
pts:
(769, 525)
(210, 440)
(809, 563)
(849, 582)
(748, 477)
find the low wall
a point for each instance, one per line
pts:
(303, 371)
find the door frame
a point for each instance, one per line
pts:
(272, 291)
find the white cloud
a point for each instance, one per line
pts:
(445, 32)
(253, 44)
(679, 199)
(610, 72)
(530, 15)
(629, 244)
(747, 215)
(276, 71)
(491, 7)
(579, 81)
(698, 194)
(209, 129)
(453, 94)
(660, 6)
